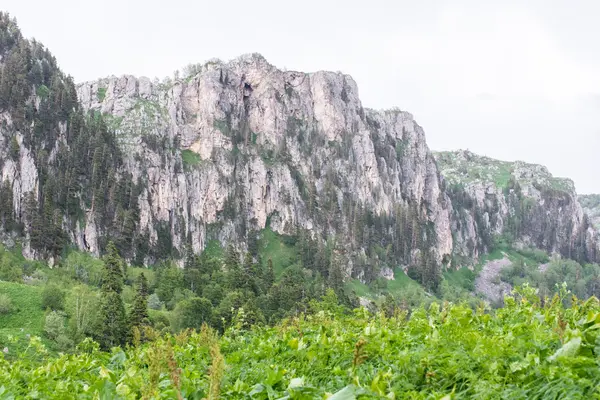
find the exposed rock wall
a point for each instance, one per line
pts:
(236, 147)
(521, 201)
(271, 146)
(591, 206)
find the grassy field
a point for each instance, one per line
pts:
(400, 284)
(26, 318)
(463, 278)
(272, 245)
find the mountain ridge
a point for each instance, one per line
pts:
(233, 148)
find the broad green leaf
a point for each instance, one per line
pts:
(347, 393)
(569, 349)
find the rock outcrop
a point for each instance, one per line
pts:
(240, 145)
(591, 206)
(522, 202)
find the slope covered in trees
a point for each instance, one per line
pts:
(58, 162)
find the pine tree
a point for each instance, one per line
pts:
(335, 277)
(139, 318)
(269, 278)
(192, 272)
(252, 275)
(113, 270)
(430, 272)
(235, 275)
(113, 324)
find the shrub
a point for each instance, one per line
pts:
(53, 298)
(5, 304)
(191, 313)
(160, 321)
(63, 342)
(54, 325)
(154, 302)
(101, 94)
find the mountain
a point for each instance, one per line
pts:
(591, 205)
(239, 145)
(228, 149)
(522, 202)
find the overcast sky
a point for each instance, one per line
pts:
(501, 78)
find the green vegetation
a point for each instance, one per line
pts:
(112, 122)
(43, 91)
(279, 249)
(190, 158)
(463, 277)
(525, 350)
(26, 316)
(464, 167)
(584, 280)
(101, 94)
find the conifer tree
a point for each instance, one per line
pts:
(431, 274)
(335, 277)
(235, 275)
(113, 324)
(192, 272)
(269, 275)
(139, 318)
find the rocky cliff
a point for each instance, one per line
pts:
(591, 206)
(228, 149)
(235, 146)
(522, 202)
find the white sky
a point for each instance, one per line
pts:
(509, 79)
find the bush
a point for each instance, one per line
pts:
(11, 268)
(64, 343)
(5, 304)
(191, 313)
(160, 321)
(53, 298)
(54, 325)
(154, 302)
(537, 255)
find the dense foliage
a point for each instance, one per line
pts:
(76, 156)
(525, 350)
(584, 280)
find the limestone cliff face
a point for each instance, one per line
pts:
(232, 148)
(521, 201)
(240, 145)
(591, 206)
